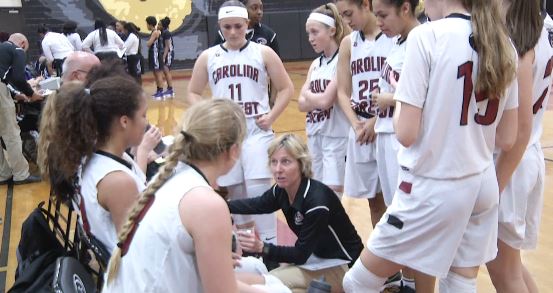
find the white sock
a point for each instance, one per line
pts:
(455, 283)
(360, 280)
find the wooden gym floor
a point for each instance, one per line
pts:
(17, 202)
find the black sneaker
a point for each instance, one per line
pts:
(30, 179)
(406, 289)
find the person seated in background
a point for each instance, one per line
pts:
(77, 65)
(313, 212)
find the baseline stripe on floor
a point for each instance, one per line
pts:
(5, 248)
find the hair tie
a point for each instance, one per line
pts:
(186, 135)
(87, 91)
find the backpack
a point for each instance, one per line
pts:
(36, 259)
(40, 257)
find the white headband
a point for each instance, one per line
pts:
(233, 11)
(322, 18)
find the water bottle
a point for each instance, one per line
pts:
(319, 286)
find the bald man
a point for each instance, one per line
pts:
(12, 71)
(77, 65)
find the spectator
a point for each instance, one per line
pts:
(77, 66)
(105, 43)
(134, 57)
(56, 47)
(70, 31)
(12, 70)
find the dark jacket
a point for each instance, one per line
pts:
(316, 216)
(12, 67)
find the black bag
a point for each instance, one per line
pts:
(40, 255)
(36, 259)
(71, 277)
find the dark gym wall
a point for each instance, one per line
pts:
(193, 22)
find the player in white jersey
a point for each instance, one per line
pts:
(326, 124)
(396, 18)
(362, 55)
(180, 229)
(442, 220)
(521, 170)
(240, 70)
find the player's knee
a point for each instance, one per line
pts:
(358, 279)
(455, 283)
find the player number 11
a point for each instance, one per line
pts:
(235, 88)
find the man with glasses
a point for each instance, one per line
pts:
(77, 65)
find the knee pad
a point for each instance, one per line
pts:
(455, 283)
(360, 280)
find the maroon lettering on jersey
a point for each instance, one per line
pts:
(318, 85)
(235, 70)
(367, 64)
(385, 73)
(548, 68)
(317, 116)
(250, 108)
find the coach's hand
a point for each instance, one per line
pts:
(249, 242)
(264, 121)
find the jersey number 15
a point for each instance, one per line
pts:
(465, 71)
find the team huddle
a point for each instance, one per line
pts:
(428, 122)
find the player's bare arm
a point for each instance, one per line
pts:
(282, 84)
(198, 81)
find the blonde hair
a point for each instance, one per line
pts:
(47, 130)
(497, 58)
(331, 10)
(295, 146)
(209, 128)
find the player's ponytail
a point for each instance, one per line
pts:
(497, 58)
(524, 24)
(209, 129)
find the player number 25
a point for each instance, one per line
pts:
(465, 71)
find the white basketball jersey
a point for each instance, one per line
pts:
(331, 121)
(543, 65)
(240, 76)
(162, 256)
(393, 64)
(366, 61)
(458, 128)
